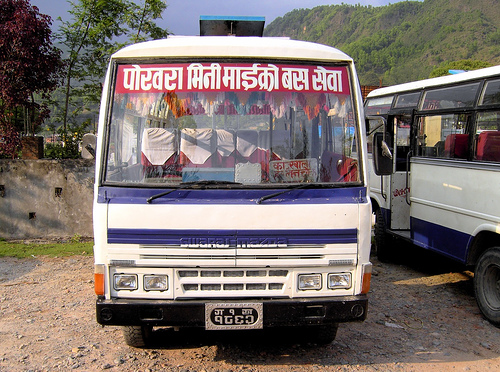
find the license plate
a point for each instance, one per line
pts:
(233, 316)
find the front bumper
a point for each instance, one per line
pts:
(276, 312)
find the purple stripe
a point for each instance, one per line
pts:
(232, 237)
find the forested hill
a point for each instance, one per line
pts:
(400, 42)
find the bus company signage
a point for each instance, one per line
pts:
(204, 77)
(234, 242)
(401, 192)
(297, 170)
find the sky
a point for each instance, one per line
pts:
(182, 16)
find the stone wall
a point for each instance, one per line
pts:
(46, 198)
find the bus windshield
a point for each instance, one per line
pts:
(246, 123)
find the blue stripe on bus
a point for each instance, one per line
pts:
(443, 240)
(446, 241)
(129, 195)
(178, 237)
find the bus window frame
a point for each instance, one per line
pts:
(104, 180)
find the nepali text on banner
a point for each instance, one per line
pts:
(231, 77)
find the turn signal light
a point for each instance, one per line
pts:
(367, 276)
(99, 279)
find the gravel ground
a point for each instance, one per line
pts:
(422, 317)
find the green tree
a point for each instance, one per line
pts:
(400, 42)
(141, 20)
(96, 30)
(29, 67)
(465, 64)
(71, 148)
(86, 37)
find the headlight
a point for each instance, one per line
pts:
(125, 282)
(155, 283)
(310, 281)
(342, 280)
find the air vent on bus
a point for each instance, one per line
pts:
(231, 26)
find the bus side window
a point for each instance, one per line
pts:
(488, 136)
(402, 141)
(444, 136)
(429, 134)
(374, 126)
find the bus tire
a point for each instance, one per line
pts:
(137, 336)
(383, 241)
(487, 285)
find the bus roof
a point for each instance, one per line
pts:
(231, 47)
(438, 81)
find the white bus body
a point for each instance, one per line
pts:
(440, 191)
(215, 205)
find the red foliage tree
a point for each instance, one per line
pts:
(29, 64)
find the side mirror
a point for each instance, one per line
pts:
(382, 156)
(89, 142)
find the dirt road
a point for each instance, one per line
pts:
(421, 318)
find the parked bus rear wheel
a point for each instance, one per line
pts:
(137, 336)
(384, 243)
(487, 285)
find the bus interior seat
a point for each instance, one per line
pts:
(158, 151)
(429, 151)
(281, 144)
(329, 169)
(348, 170)
(197, 147)
(456, 146)
(226, 148)
(251, 147)
(247, 144)
(488, 146)
(439, 148)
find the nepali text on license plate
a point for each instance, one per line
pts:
(233, 316)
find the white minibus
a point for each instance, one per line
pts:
(231, 189)
(436, 171)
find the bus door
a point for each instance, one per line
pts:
(400, 126)
(441, 137)
(376, 125)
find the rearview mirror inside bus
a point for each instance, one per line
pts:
(382, 155)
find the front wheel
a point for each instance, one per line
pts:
(384, 243)
(137, 336)
(319, 334)
(487, 285)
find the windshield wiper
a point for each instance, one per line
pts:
(302, 186)
(192, 184)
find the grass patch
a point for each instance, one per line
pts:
(21, 249)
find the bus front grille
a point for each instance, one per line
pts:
(249, 281)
